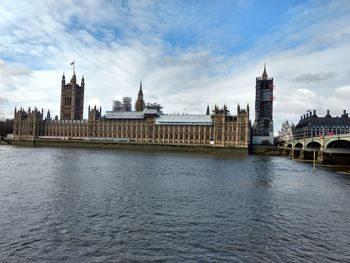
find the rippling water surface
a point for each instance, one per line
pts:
(80, 205)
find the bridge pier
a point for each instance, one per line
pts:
(320, 157)
(302, 154)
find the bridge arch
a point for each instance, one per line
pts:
(338, 145)
(298, 145)
(337, 151)
(313, 146)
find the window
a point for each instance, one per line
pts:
(67, 101)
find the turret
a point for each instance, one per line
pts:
(82, 82)
(48, 115)
(73, 80)
(63, 80)
(225, 110)
(94, 113)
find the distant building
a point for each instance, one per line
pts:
(286, 132)
(263, 125)
(126, 106)
(310, 125)
(117, 106)
(147, 126)
(72, 99)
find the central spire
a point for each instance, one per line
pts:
(140, 91)
(140, 104)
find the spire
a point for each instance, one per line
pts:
(264, 75)
(63, 82)
(140, 91)
(208, 110)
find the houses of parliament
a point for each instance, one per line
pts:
(146, 124)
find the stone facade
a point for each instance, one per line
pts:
(220, 130)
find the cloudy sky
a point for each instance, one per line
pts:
(188, 54)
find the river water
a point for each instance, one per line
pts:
(84, 205)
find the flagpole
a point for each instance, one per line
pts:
(73, 63)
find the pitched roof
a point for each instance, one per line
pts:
(184, 119)
(264, 75)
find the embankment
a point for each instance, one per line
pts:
(130, 146)
(265, 150)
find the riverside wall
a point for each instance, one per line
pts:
(265, 150)
(130, 146)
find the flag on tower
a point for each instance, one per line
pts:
(72, 63)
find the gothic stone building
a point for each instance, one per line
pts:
(145, 125)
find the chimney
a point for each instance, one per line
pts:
(314, 112)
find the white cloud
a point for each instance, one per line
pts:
(313, 77)
(94, 102)
(41, 38)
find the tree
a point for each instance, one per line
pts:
(6, 127)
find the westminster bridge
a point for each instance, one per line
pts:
(324, 149)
